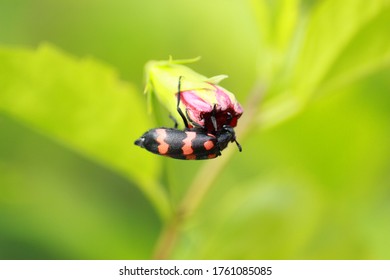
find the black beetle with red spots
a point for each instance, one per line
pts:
(188, 144)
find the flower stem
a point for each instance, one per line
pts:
(204, 180)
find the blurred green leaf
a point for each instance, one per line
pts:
(56, 204)
(348, 35)
(342, 42)
(278, 25)
(82, 104)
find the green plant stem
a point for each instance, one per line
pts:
(204, 180)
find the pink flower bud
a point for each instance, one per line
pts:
(211, 108)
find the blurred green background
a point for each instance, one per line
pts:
(312, 182)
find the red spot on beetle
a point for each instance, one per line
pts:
(187, 148)
(189, 157)
(208, 145)
(163, 147)
(212, 156)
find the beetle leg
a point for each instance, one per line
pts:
(178, 104)
(213, 118)
(174, 120)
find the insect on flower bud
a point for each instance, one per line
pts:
(204, 102)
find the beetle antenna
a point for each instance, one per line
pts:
(238, 145)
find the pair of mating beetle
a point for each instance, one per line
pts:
(192, 143)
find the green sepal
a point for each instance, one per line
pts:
(162, 78)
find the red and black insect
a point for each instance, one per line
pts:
(186, 144)
(189, 144)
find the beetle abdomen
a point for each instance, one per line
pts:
(187, 144)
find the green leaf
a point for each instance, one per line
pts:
(332, 45)
(57, 204)
(349, 35)
(83, 105)
(366, 52)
